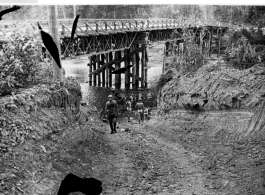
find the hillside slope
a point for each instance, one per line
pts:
(222, 86)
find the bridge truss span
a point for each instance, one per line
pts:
(101, 36)
(109, 42)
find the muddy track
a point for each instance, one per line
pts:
(148, 159)
(138, 162)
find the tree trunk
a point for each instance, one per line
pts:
(74, 11)
(53, 29)
(64, 17)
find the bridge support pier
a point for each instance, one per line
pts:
(166, 54)
(143, 67)
(110, 75)
(93, 64)
(107, 70)
(211, 42)
(127, 72)
(201, 40)
(146, 68)
(98, 66)
(109, 58)
(103, 71)
(219, 44)
(90, 70)
(73, 50)
(117, 66)
(137, 67)
(133, 68)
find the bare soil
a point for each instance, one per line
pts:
(155, 158)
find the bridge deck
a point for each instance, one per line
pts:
(106, 27)
(101, 36)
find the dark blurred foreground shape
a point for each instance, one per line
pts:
(73, 183)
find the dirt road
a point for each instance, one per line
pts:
(143, 163)
(163, 156)
(133, 162)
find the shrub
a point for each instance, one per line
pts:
(22, 62)
(241, 54)
(191, 60)
(164, 78)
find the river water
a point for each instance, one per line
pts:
(97, 96)
(78, 68)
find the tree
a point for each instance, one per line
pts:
(53, 29)
(256, 16)
(248, 15)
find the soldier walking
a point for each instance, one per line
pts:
(129, 109)
(140, 108)
(112, 113)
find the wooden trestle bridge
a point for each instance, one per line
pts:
(116, 47)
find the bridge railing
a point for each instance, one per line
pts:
(96, 27)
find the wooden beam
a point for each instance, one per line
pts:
(137, 66)
(167, 48)
(115, 61)
(138, 78)
(73, 50)
(117, 66)
(219, 43)
(143, 66)
(127, 72)
(107, 70)
(201, 41)
(144, 42)
(170, 53)
(98, 66)
(104, 70)
(121, 70)
(110, 75)
(90, 70)
(177, 39)
(164, 58)
(211, 42)
(133, 68)
(94, 68)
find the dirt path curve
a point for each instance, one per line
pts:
(136, 162)
(144, 163)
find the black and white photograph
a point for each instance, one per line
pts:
(132, 98)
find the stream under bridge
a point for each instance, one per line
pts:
(120, 46)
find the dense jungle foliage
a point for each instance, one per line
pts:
(22, 62)
(246, 48)
(237, 15)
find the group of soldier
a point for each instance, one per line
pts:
(111, 109)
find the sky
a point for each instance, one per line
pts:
(85, 2)
(17, 1)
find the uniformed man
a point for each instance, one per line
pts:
(112, 112)
(140, 108)
(129, 108)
